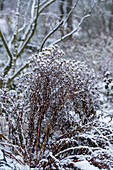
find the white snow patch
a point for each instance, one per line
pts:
(85, 165)
(11, 163)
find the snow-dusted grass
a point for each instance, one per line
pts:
(86, 146)
(91, 145)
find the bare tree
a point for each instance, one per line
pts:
(27, 27)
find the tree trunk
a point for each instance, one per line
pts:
(111, 20)
(61, 16)
(103, 25)
(1, 5)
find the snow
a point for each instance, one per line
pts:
(7, 164)
(85, 165)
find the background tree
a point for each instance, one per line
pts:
(100, 22)
(61, 6)
(111, 19)
(69, 21)
(1, 5)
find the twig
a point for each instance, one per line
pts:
(18, 72)
(45, 39)
(10, 55)
(2, 136)
(70, 12)
(46, 135)
(38, 133)
(73, 31)
(6, 46)
(43, 2)
(32, 9)
(12, 156)
(16, 30)
(30, 32)
(25, 17)
(46, 5)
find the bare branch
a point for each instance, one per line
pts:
(10, 55)
(30, 32)
(16, 29)
(73, 31)
(28, 38)
(46, 5)
(43, 2)
(32, 9)
(76, 29)
(55, 29)
(6, 46)
(25, 17)
(33, 26)
(70, 12)
(2, 136)
(18, 72)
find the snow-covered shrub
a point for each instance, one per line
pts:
(44, 99)
(58, 84)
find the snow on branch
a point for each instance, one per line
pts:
(74, 6)
(52, 32)
(10, 55)
(18, 72)
(73, 31)
(46, 5)
(58, 26)
(43, 2)
(81, 21)
(16, 30)
(25, 17)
